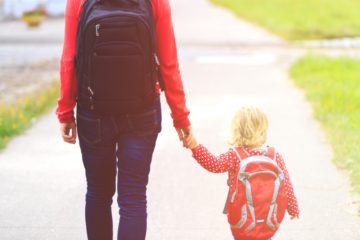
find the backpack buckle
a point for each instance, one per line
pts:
(243, 176)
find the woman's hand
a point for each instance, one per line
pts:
(68, 132)
(187, 137)
(184, 133)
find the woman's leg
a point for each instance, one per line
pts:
(98, 146)
(134, 158)
(135, 149)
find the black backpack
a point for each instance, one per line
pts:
(116, 64)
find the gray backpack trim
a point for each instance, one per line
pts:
(243, 218)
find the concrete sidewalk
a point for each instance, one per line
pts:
(21, 45)
(224, 64)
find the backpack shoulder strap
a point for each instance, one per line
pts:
(86, 8)
(271, 153)
(240, 153)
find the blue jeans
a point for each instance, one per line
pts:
(119, 146)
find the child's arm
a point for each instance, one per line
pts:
(207, 160)
(292, 207)
(215, 164)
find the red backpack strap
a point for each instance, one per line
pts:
(271, 153)
(240, 153)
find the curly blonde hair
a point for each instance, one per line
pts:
(249, 127)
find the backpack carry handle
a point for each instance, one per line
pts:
(131, 1)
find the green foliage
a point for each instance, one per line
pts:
(333, 87)
(17, 116)
(301, 19)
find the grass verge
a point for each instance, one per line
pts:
(332, 86)
(301, 19)
(17, 116)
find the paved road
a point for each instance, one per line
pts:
(42, 180)
(20, 45)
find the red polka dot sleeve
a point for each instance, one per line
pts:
(292, 207)
(215, 164)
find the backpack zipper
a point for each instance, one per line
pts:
(96, 46)
(91, 98)
(91, 82)
(99, 19)
(108, 25)
(97, 30)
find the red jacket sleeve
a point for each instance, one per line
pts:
(167, 53)
(169, 65)
(68, 89)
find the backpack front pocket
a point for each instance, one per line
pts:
(116, 31)
(117, 71)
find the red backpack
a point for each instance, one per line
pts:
(257, 200)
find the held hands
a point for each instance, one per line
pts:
(187, 137)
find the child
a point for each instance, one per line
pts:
(248, 135)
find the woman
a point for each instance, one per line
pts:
(122, 142)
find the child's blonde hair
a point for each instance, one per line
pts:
(248, 127)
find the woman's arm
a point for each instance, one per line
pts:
(68, 89)
(68, 84)
(292, 207)
(169, 65)
(212, 163)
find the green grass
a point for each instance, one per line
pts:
(301, 19)
(333, 87)
(17, 116)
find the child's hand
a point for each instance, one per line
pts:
(190, 142)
